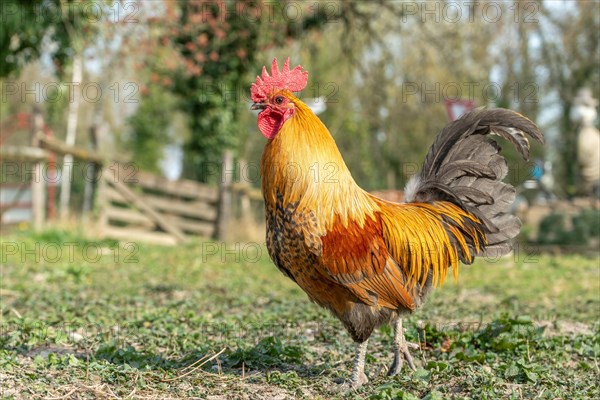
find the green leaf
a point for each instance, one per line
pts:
(421, 374)
(511, 372)
(437, 365)
(434, 395)
(531, 376)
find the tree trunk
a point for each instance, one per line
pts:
(38, 199)
(67, 173)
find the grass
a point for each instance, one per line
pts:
(87, 319)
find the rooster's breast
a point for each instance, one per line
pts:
(287, 231)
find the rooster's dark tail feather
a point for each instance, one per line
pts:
(464, 166)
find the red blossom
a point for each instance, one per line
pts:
(220, 34)
(197, 18)
(171, 64)
(202, 40)
(241, 53)
(190, 46)
(200, 57)
(196, 70)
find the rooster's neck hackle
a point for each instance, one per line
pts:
(304, 166)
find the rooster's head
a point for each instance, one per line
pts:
(273, 95)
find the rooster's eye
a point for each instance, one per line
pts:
(279, 100)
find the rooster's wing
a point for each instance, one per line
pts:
(388, 261)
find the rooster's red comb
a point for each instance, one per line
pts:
(294, 80)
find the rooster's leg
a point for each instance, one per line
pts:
(401, 351)
(358, 377)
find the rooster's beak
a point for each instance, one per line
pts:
(258, 106)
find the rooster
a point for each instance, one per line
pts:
(367, 260)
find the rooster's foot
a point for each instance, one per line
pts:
(354, 382)
(358, 377)
(400, 355)
(401, 350)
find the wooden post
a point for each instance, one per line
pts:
(245, 207)
(225, 202)
(38, 203)
(101, 200)
(103, 204)
(90, 174)
(52, 182)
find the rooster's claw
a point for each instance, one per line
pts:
(400, 355)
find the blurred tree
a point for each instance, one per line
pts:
(570, 53)
(150, 127)
(215, 44)
(33, 27)
(59, 29)
(544, 57)
(390, 107)
(218, 46)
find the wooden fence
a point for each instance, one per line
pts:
(22, 196)
(154, 209)
(15, 203)
(133, 205)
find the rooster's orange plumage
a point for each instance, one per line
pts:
(366, 259)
